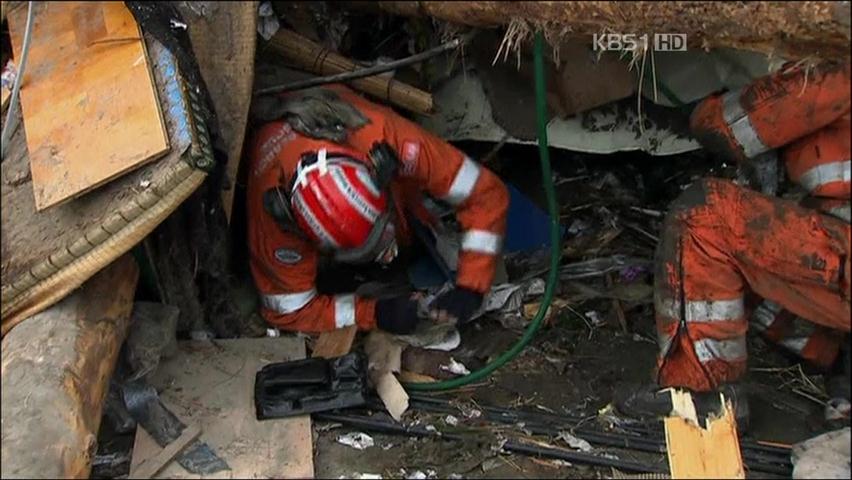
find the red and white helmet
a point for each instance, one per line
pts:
(336, 203)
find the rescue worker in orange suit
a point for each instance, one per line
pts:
(355, 198)
(722, 241)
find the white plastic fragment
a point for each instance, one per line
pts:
(362, 476)
(273, 332)
(177, 24)
(451, 420)
(356, 440)
(455, 367)
(837, 409)
(574, 442)
(594, 317)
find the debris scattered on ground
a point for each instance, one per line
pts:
(362, 476)
(837, 409)
(328, 426)
(455, 367)
(267, 21)
(356, 440)
(177, 24)
(451, 420)
(574, 442)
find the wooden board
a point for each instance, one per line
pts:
(158, 461)
(711, 451)
(55, 376)
(335, 343)
(28, 237)
(212, 385)
(88, 99)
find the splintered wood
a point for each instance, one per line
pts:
(89, 105)
(695, 451)
(385, 359)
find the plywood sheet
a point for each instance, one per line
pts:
(27, 236)
(88, 98)
(212, 385)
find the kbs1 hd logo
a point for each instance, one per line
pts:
(661, 42)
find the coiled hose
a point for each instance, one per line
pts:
(555, 250)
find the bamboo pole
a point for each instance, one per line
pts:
(307, 55)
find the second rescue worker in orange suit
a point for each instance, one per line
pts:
(332, 193)
(721, 241)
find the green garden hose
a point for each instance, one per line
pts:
(555, 250)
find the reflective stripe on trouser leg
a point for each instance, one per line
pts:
(463, 183)
(741, 126)
(728, 351)
(822, 175)
(764, 315)
(481, 241)
(344, 310)
(286, 303)
(843, 212)
(701, 310)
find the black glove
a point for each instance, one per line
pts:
(397, 314)
(385, 163)
(459, 302)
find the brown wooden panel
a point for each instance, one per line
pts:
(88, 99)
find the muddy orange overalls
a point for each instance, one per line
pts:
(721, 240)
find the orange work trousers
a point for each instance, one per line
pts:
(719, 242)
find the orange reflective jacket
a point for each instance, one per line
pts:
(284, 265)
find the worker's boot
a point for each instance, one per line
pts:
(650, 402)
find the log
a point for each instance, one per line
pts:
(787, 29)
(56, 368)
(312, 57)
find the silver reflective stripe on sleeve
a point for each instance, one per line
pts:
(285, 303)
(344, 310)
(464, 182)
(481, 241)
(741, 127)
(822, 175)
(732, 350)
(703, 311)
